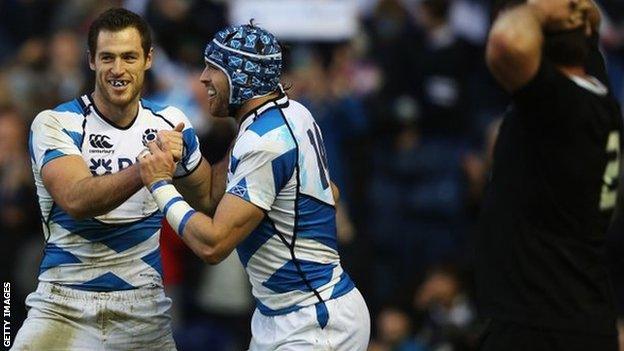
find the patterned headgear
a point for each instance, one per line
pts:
(250, 57)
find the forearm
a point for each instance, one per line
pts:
(205, 187)
(218, 183)
(518, 32)
(211, 238)
(196, 187)
(198, 231)
(514, 46)
(203, 237)
(94, 196)
(214, 238)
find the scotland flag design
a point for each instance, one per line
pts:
(120, 249)
(278, 164)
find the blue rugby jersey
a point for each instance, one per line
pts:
(120, 249)
(278, 163)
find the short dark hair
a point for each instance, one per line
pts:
(116, 19)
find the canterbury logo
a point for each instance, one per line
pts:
(100, 141)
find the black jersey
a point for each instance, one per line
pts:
(540, 248)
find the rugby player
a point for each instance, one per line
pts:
(279, 207)
(540, 264)
(100, 280)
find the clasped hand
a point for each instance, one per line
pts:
(558, 15)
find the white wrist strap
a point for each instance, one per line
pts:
(172, 204)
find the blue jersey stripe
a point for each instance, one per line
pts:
(288, 278)
(70, 106)
(31, 148)
(54, 256)
(267, 121)
(105, 282)
(152, 106)
(271, 312)
(344, 285)
(190, 141)
(76, 138)
(154, 260)
(50, 155)
(258, 237)
(233, 164)
(283, 169)
(316, 221)
(189, 138)
(322, 314)
(117, 237)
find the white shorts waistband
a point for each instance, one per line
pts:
(77, 294)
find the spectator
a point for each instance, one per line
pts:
(394, 332)
(447, 311)
(66, 65)
(441, 70)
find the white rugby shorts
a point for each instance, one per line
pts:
(348, 328)
(61, 318)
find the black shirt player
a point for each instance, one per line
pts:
(541, 275)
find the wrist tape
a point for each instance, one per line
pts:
(172, 204)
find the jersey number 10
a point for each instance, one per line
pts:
(321, 155)
(608, 195)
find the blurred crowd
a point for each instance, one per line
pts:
(409, 116)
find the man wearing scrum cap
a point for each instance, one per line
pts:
(279, 207)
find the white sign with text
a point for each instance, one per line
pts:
(318, 20)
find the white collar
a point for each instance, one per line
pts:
(590, 83)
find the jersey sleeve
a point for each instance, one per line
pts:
(49, 140)
(259, 174)
(191, 154)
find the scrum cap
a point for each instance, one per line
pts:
(250, 57)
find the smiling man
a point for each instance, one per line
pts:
(100, 280)
(279, 208)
